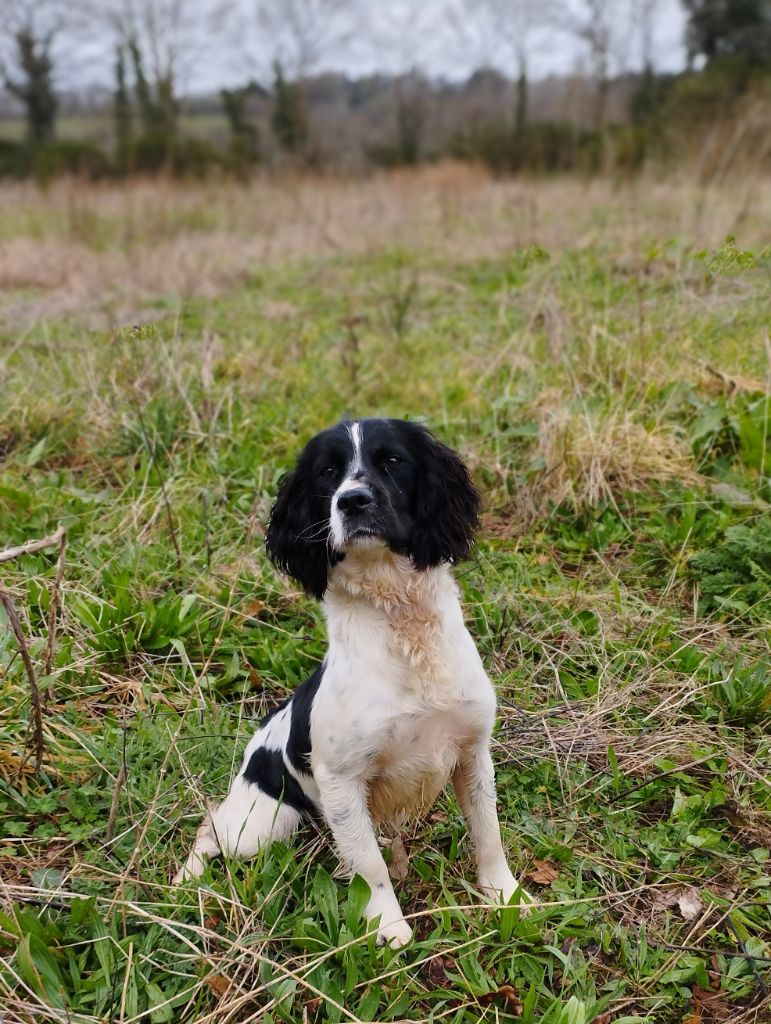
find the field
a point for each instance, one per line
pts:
(599, 352)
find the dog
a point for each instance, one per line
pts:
(369, 522)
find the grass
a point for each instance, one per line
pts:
(600, 355)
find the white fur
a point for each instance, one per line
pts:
(399, 712)
(403, 707)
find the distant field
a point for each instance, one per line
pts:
(600, 353)
(98, 127)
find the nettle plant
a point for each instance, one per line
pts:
(734, 575)
(123, 621)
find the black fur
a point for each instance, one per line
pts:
(446, 507)
(298, 747)
(295, 541)
(266, 769)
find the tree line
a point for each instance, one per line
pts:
(273, 117)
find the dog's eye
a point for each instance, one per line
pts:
(392, 460)
(329, 472)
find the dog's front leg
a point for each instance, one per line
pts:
(344, 803)
(474, 784)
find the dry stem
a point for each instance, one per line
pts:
(37, 709)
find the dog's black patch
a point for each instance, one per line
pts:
(298, 747)
(267, 770)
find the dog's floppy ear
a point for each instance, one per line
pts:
(295, 544)
(447, 506)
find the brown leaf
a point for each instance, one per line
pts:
(712, 1006)
(399, 867)
(510, 997)
(254, 609)
(544, 872)
(689, 904)
(310, 1008)
(212, 922)
(437, 971)
(218, 983)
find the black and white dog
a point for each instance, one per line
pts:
(368, 522)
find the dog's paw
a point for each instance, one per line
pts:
(392, 929)
(395, 935)
(500, 887)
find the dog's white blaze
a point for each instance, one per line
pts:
(355, 432)
(356, 465)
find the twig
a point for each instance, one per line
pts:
(54, 606)
(37, 709)
(119, 782)
(164, 493)
(743, 955)
(206, 532)
(661, 775)
(758, 978)
(33, 545)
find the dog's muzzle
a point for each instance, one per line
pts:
(356, 510)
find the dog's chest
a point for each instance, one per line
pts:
(404, 692)
(415, 753)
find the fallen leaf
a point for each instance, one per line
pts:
(254, 609)
(212, 922)
(218, 983)
(437, 971)
(544, 872)
(712, 1006)
(689, 904)
(713, 971)
(399, 867)
(310, 1008)
(510, 997)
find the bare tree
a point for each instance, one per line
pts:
(603, 27)
(28, 30)
(160, 42)
(406, 33)
(509, 30)
(645, 15)
(298, 34)
(287, 41)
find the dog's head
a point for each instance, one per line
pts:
(371, 483)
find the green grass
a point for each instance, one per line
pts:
(626, 629)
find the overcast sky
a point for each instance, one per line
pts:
(443, 38)
(449, 39)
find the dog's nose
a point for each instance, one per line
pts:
(355, 500)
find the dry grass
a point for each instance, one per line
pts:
(106, 254)
(591, 457)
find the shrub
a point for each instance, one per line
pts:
(68, 156)
(48, 160)
(14, 159)
(545, 147)
(735, 576)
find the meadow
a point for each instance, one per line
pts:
(599, 352)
